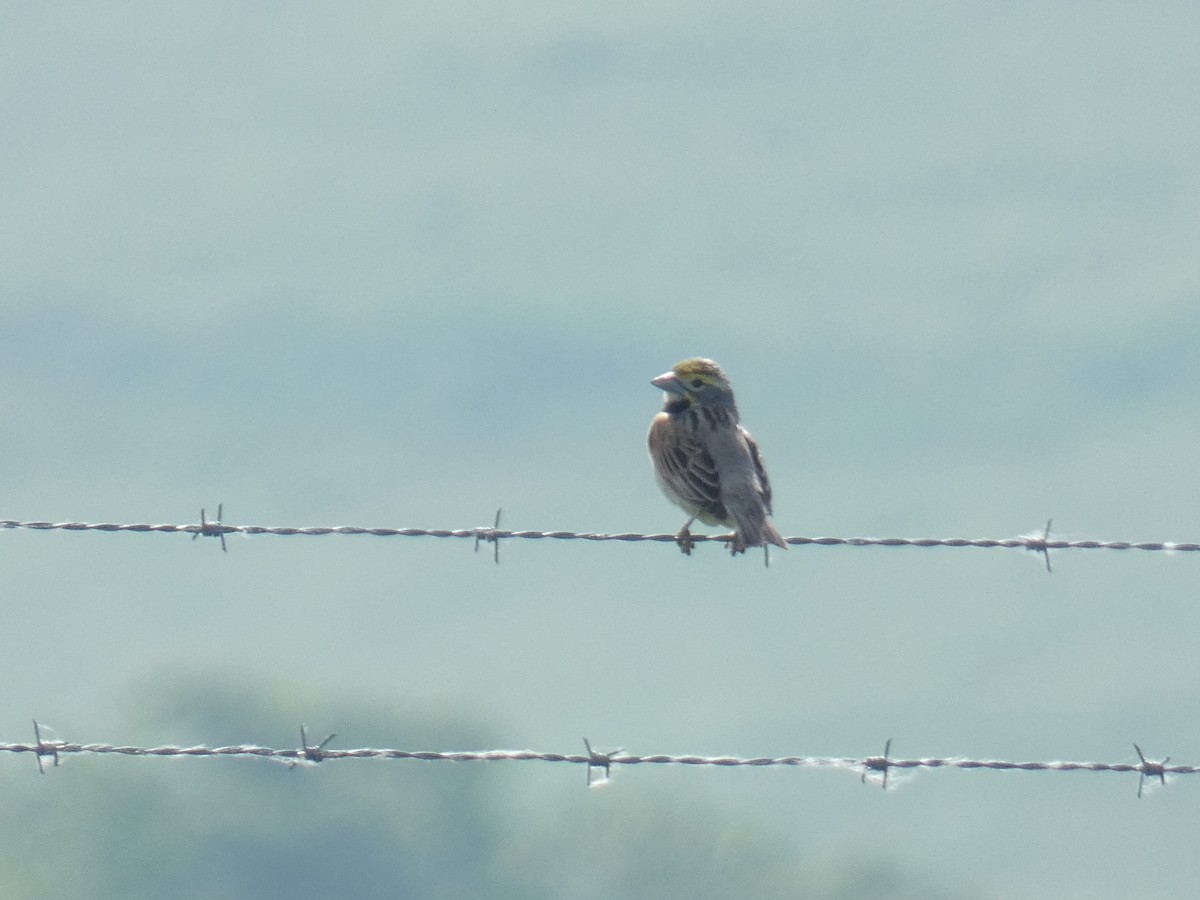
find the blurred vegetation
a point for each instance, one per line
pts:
(108, 827)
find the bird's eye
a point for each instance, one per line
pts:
(696, 383)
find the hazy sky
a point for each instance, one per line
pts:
(403, 264)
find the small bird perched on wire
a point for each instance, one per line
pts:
(706, 462)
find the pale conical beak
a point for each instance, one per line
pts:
(668, 382)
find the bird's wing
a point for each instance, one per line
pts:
(759, 469)
(686, 467)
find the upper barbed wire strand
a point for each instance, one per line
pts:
(1036, 543)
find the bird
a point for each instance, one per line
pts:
(706, 462)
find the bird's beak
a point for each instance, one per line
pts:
(668, 382)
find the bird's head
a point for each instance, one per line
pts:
(698, 382)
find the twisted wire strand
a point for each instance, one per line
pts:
(1041, 543)
(57, 749)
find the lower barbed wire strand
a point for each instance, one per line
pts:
(66, 748)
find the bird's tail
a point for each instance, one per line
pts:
(759, 532)
(771, 535)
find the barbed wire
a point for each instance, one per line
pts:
(599, 765)
(1040, 542)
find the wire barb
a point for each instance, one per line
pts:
(596, 760)
(213, 529)
(309, 753)
(879, 764)
(42, 748)
(1150, 769)
(491, 535)
(1041, 544)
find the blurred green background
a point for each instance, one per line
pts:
(402, 264)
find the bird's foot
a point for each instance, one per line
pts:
(736, 544)
(684, 540)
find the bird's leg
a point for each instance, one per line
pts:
(684, 538)
(736, 544)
